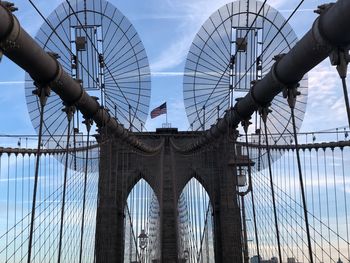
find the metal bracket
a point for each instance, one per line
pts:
(290, 93)
(323, 44)
(9, 41)
(54, 55)
(323, 8)
(340, 57)
(278, 57)
(9, 6)
(264, 112)
(59, 70)
(275, 77)
(274, 74)
(69, 110)
(88, 122)
(7, 45)
(43, 92)
(245, 124)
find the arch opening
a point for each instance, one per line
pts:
(141, 224)
(195, 224)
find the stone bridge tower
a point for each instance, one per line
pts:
(167, 172)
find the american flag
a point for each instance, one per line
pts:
(158, 111)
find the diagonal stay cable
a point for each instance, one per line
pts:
(63, 42)
(279, 31)
(271, 41)
(228, 65)
(59, 37)
(94, 46)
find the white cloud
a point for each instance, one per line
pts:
(12, 82)
(277, 3)
(325, 107)
(166, 74)
(174, 55)
(194, 14)
(299, 10)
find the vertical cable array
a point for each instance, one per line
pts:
(325, 193)
(16, 187)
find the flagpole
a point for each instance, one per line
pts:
(166, 115)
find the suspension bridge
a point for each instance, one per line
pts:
(242, 184)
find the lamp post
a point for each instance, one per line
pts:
(242, 165)
(143, 243)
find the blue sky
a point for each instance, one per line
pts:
(167, 28)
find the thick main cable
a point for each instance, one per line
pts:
(291, 68)
(46, 70)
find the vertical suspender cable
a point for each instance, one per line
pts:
(196, 214)
(43, 93)
(142, 201)
(345, 201)
(319, 202)
(15, 232)
(88, 128)
(264, 113)
(69, 111)
(135, 212)
(327, 198)
(336, 201)
(130, 216)
(7, 204)
(301, 182)
(245, 238)
(346, 98)
(22, 213)
(312, 200)
(253, 202)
